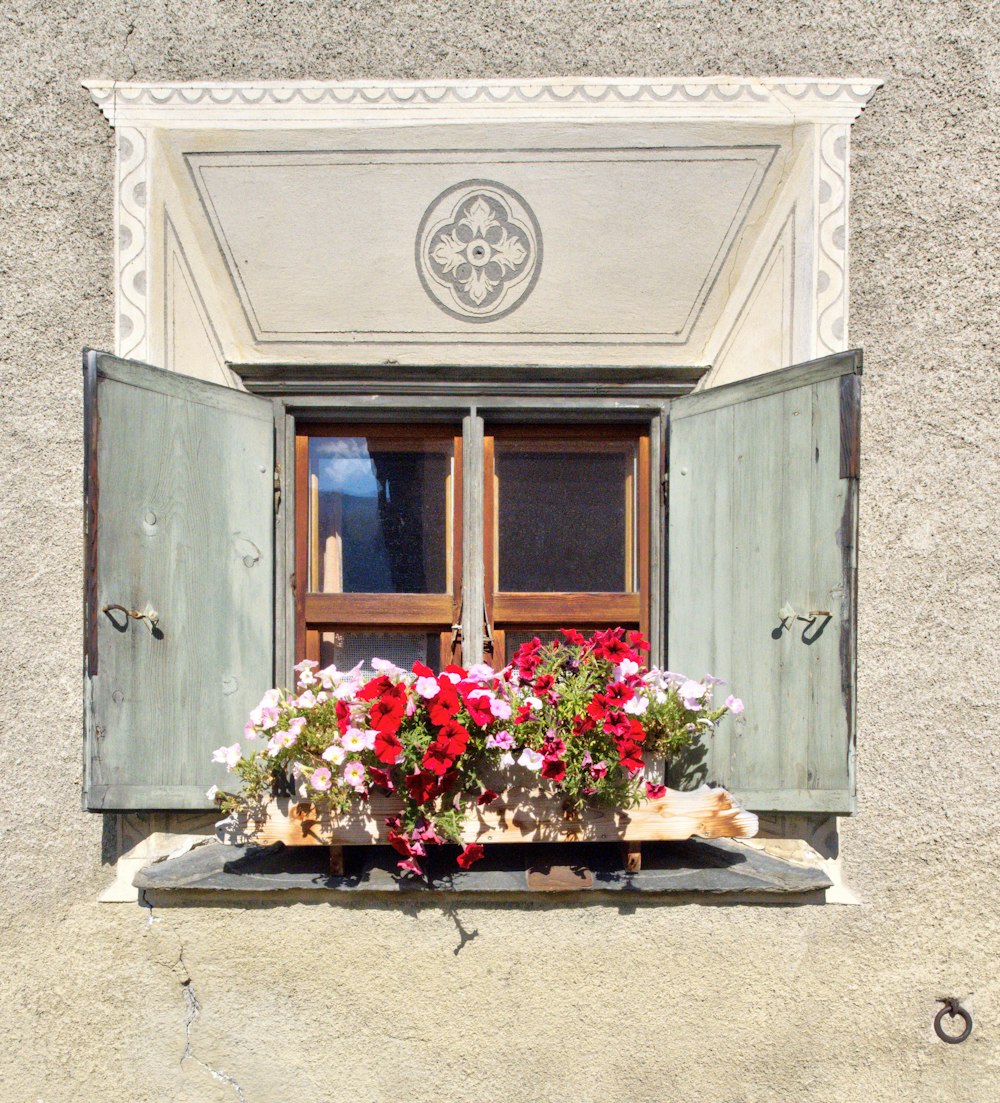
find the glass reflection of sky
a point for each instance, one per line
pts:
(344, 466)
(387, 502)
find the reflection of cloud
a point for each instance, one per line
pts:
(344, 466)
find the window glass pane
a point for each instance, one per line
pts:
(346, 649)
(566, 516)
(380, 516)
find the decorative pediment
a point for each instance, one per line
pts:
(620, 222)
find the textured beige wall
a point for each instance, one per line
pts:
(545, 1002)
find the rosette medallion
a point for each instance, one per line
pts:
(479, 250)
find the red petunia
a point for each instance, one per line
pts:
(554, 769)
(543, 683)
(444, 704)
(598, 707)
(638, 641)
(421, 670)
(522, 715)
(487, 796)
(615, 651)
(343, 711)
(411, 865)
(554, 747)
(472, 853)
(375, 688)
(387, 747)
(582, 725)
(479, 709)
(654, 792)
(617, 724)
(437, 759)
(399, 842)
(636, 732)
(573, 636)
(454, 737)
(422, 787)
(381, 778)
(387, 713)
(630, 756)
(618, 693)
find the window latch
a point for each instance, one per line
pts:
(788, 616)
(149, 615)
(456, 629)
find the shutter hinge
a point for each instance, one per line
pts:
(665, 487)
(277, 486)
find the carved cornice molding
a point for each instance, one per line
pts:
(332, 103)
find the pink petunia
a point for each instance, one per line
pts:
(427, 687)
(734, 704)
(500, 709)
(354, 774)
(691, 693)
(335, 754)
(322, 778)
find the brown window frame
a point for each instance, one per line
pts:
(318, 612)
(508, 611)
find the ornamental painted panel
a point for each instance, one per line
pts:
(479, 250)
(320, 245)
(403, 222)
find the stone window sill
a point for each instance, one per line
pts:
(717, 872)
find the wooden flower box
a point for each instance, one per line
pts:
(514, 817)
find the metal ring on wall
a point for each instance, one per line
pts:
(954, 1010)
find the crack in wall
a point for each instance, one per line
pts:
(192, 1009)
(129, 31)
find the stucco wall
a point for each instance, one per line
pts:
(543, 1002)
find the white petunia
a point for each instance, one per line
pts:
(229, 755)
(530, 759)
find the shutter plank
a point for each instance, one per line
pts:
(764, 516)
(180, 516)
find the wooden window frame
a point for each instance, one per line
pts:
(317, 612)
(508, 611)
(303, 397)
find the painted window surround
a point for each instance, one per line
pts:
(808, 219)
(796, 244)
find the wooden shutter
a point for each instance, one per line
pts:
(179, 519)
(763, 483)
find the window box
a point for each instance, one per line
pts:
(514, 817)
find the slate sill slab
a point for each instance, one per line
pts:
(716, 870)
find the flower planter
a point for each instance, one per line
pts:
(416, 759)
(515, 817)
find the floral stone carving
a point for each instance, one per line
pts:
(479, 250)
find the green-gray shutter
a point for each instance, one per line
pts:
(763, 484)
(179, 518)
